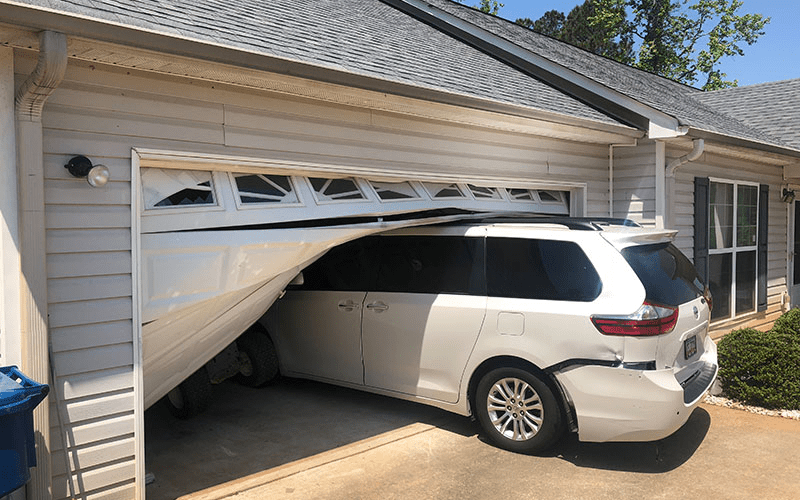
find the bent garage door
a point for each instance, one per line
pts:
(220, 241)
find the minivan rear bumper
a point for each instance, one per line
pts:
(621, 404)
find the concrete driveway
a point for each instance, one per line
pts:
(306, 440)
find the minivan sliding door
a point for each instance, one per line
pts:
(423, 317)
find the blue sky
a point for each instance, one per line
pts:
(776, 55)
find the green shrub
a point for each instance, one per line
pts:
(761, 368)
(788, 322)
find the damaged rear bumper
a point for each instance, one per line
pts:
(622, 404)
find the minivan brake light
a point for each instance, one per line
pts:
(648, 320)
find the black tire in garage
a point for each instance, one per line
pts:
(191, 397)
(257, 357)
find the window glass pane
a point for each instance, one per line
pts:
(669, 278)
(550, 196)
(720, 225)
(520, 194)
(336, 189)
(168, 187)
(265, 189)
(540, 269)
(745, 282)
(394, 190)
(348, 267)
(746, 215)
(486, 193)
(443, 190)
(431, 264)
(720, 272)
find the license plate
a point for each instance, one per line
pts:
(690, 347)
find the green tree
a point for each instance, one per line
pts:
(489, 6)
(576, 28)
(682, 41)
(550, 24)
(678, 40)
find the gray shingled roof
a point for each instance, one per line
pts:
(364, 37)
(372, 39)
(662, 94)
(772, 107)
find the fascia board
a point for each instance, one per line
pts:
(612, 102)
(739, 146)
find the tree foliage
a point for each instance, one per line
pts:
(489, 6)
(678, 40)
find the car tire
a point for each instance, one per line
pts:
(191, 397)
(517, 410)
(257, 358)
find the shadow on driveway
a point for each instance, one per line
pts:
(651, 458)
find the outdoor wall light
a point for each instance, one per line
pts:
(788, 195)
(81, 166)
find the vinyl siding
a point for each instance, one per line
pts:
(104, 112)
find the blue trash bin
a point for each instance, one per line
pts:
(19, 395)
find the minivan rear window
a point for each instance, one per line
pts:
(669, 278)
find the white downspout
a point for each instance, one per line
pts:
(698, 146)
(661, 191)
(10, 338)
(30, 100)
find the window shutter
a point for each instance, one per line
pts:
(763, 221)
(701, 188)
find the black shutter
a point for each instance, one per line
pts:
(763, 231)
(701, 188)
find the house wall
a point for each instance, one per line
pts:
(634, 197)
(103, 112)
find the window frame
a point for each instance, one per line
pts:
(735, 249)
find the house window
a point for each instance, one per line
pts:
(729, 250)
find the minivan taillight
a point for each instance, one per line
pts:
(648, 320)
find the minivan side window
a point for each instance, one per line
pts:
(431, 264)
(349, 267)
(540, 269)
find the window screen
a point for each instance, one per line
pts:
(540, 269)
(431, 264)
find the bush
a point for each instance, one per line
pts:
(788, 322)
(762, 368)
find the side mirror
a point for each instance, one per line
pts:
(297, 280)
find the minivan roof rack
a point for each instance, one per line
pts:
(578, 223)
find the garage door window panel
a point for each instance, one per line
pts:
(331, 190)
(163, 188)
(265, 189)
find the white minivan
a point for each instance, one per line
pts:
(533, 326)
